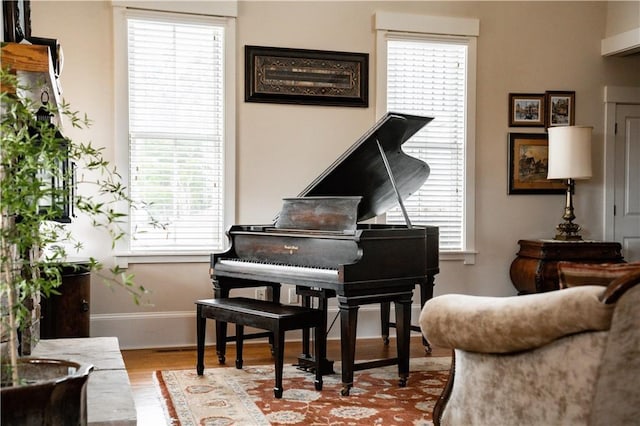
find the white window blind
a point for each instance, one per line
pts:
(428, 77)
(176, 132)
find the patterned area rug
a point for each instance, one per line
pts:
(227, 396)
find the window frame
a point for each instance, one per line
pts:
(397, 25)
(124, 255)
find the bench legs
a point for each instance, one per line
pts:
(239, 344)
(200, 333)
(277, 349)
(320, 347)
(221, 341)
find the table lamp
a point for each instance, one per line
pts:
(570, 159)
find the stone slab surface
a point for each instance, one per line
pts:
(109, 396)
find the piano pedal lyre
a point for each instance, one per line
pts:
(307, 361)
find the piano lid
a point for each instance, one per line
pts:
(361, 170)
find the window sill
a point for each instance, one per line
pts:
(467, 257)
(124, 259)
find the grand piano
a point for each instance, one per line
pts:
(319, 243)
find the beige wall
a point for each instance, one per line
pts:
(523, 47)
(622, 16)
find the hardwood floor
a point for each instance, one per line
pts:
(142, 363)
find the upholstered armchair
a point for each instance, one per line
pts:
(566, 357)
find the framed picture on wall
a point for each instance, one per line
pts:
(528, 165)
(560, 107)
(526, 109)
(306, 77)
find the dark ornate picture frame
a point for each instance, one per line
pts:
(528, 165)
(306, 77)
(560, 107)
(526, 109)
(16, 16)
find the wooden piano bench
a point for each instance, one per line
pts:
(272, 316)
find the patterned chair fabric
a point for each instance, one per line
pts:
(573, 274)
(569, 357)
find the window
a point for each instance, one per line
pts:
(433, 75)
(178, 129)
(427, 77)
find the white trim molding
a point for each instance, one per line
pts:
(172, 329)
(622, 44)
(227, 8)
(442, 25)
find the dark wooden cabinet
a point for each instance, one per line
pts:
(68, 314)
(535, 268)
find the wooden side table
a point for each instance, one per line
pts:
(535, 268)
(68, 314)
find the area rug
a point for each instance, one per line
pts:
(228, 396)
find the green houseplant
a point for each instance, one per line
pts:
(32, 152)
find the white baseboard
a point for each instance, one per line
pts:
(178, 328)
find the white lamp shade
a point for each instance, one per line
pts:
(569, 152)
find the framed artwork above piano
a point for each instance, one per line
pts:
(306, 77)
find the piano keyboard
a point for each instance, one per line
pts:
(249, 265)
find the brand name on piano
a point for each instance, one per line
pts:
(290, 248)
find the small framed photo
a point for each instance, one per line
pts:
(528, 165)
(560, 107)
(526, 110)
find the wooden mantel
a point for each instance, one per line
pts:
(26, 57)
(34, 67)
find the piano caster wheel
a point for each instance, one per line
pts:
(318, 385)
(402, 382)
(345, 390)
(200, 370)
(277, 392)
(221, 359)
(385, 340)
(239, 364)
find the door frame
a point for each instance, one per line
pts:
(613, 95)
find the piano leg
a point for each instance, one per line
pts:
(349, 324)
(426, 293)
(306, 351)
(385, 311)
(272, 294)
(403, 331)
